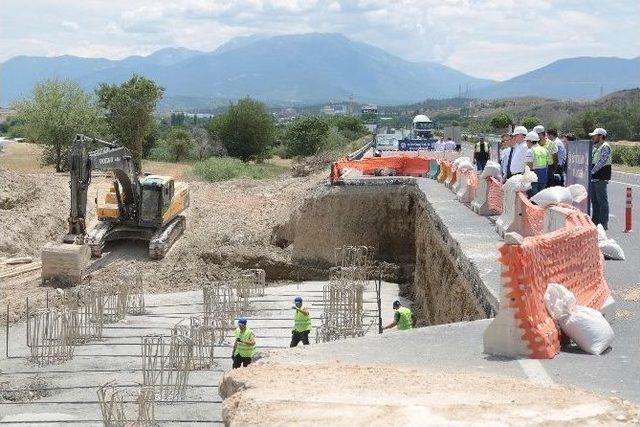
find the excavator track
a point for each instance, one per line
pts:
(163, 239)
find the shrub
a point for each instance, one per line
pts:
(247, 130)
(501, 121)
(306, 136)
(531, 122)
(617, 154)
(631, 155)
(216, 169)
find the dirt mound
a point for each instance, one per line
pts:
(33, 211)
(343, 395)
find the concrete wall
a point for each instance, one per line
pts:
(398, 221)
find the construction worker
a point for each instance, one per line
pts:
(403, 318)
(552, 135)
(481, 153)
(537, 160)
(301, 323)
(552, 153)
(244, 346)
(600, 176)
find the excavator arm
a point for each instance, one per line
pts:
(112, 157)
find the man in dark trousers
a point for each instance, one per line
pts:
(600, 176)
(481, 153)
(244, 346)
(301, 323)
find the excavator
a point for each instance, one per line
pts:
(133, 207)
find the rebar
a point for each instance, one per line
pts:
(146, 406)
(221, 306)
(251, 283)
(111, 405)
(86, 307)
(203, 337)
(115, 298)
(135, 300)
(166, 368)
(50, 336)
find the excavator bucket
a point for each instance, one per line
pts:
(64, 264)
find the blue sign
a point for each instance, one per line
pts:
(415, 144)
(579, 167)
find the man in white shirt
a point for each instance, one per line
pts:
(515, 159)
(450, 145)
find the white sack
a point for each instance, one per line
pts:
(573, 194)
(491, 169)
(609, 247)
(457, 161)
(585, 326)
(521, 182)
(464, 165)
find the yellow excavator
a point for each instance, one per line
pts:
(133, 207)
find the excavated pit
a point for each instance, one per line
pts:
(396, 218)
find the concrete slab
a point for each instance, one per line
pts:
(73, 384)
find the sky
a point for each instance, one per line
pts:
(495, 39)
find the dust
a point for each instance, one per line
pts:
(336, 394)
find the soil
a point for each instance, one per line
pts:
(336, 394)
(229, 225)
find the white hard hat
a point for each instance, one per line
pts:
(538, 129)
(532, 136)
(598, 131)
(519, 130)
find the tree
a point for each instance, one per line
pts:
(204, 146)
(306, 136)
(130, 108)
(56, 112)
(246, 130)
(178, 143)
(531, 122)
(501, 120)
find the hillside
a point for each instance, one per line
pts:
(571, 78)
(294, 69)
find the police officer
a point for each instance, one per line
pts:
(244, 346)
(600, 176)
(301, 323)
(403, 318)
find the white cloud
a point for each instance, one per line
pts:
(485, 38)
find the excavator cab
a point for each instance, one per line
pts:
(157, 192)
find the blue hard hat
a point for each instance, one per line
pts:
(298, 299)
(242, 321)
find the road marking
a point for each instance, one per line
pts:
(628, 173)
(534, 370)
(626, 183)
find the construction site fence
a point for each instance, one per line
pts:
(555, 244)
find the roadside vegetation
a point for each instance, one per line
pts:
(238, 142)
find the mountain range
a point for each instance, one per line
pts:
(312, 68)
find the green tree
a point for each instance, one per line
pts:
(246, 130)
(531, 122)
(501, 120)
(179, 143)
(306, 136)
(54, 114)
(130, 108)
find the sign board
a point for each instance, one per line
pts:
(452, 132)
(579, 167)
(494, 149)
(415, 144)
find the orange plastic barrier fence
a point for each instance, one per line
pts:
(401, 165)
(533, 216)
(557, 257)
(494, 195)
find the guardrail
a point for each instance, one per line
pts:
(357, 155)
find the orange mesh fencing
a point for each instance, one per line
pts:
(494, 195)
(557, 257)
(445, 170)
(401, 165)
(532, 216)
(472, 180)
